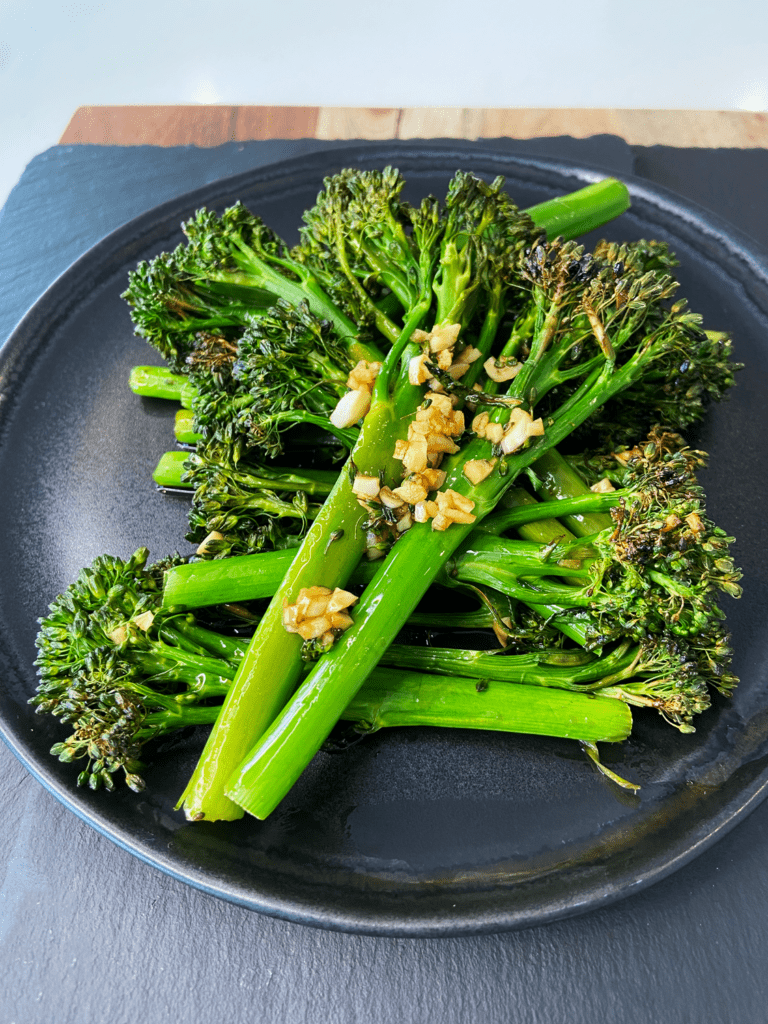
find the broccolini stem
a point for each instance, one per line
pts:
(390, 698)
(156, 382)
(170, 472)
(524, 515)
(575, 214)
(295, 292)
(222, 581)
(556, 479)
(565, 670)
(184, 427)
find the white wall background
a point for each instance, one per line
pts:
(57, 56)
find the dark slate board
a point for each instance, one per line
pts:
(89, 933)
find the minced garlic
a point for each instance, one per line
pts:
(318, 613)
(452, 507)
(502, 369)
(520, 427)
(476, 470)
(603, 486)
(431, 436)
(366, 487)
(439, 345)
(355, 404)
(350, 408)
(363, 375)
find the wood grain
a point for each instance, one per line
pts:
(275, 123)
(158, 126)
(358, 123)
(213, 125)
(180, 125)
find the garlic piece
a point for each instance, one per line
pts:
(350, 408)
(444, 358)
(476, 470)
(501, 369)
(312, 601)
(521, 426)
(452, 508)
(144, 621)
(469, 354)
(411, 492)
(339, 600)
(311, 629)
(441, 443)
(440, 403)
(420, 513)
(417, 370)
(404, 523)
(603, 486)
(415, 459)
(457, 370)
(432, 479)
(389, 498)
(443, 337)
(318, 611)
(494, 432)
(479, 423)
(366, 487)
(363, 376)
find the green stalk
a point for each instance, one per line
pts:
(391, 698)
(307, 289)
(523, 516)
(578, 212)
(555, 478)
(534, 521)
(184, 427)
(227, 580)
(169, 472)
(156, 382)
(160, 723)
(347, 435)
(489, 560)
(232, 649)
(565, 670)
(479, 618)
(201, 683)
(188, 394)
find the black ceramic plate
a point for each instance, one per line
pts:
(413, 832)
